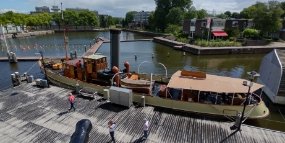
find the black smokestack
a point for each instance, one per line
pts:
(115, 47)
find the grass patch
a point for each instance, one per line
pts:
(217, 43)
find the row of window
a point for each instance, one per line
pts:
(222, 24)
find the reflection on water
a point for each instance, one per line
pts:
(226, 65)
(14, 67)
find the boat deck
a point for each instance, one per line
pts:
(32, 114)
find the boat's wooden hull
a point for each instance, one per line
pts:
(260, 111)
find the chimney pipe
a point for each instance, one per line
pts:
(115, 47)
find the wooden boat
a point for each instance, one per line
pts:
(214, 95)
(140, 86)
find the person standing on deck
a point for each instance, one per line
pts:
(71, 100)
(112, 126)
(145, 128)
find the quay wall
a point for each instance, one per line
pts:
(29, 34)
(148, 33)
(82, 30)
(197, 50)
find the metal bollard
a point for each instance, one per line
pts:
(77, 88)
(107, 94)
(143, 101)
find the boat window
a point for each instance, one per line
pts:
(190, 95)
(175, 93)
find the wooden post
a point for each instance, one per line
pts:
(198, 96)
(233, 98)
(181, 94)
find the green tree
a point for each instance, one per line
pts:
(251, 33)
(173, 29)
(191, 13)
(223, 16)
(235, 15)
(228, 14)
(175, 16)
(282, 5)
(266, 16)
(151, 22)
(202, 14)
(164, 6)
(130, 16)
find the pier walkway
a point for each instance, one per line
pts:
(31, 114)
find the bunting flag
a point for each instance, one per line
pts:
(208, 23)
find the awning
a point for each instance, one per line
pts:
(220, 33)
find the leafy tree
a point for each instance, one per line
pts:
(151, 22)
(164, 6)
(251, 33)
(110, 21)
(175, 16)
(173, 29)
(250, 12)
(103, 21)
(191, 13)
(202, 14)
(130, 16)
(223, 16)
(266, 16)
(282, 5)
(235, 15)
(228, 14)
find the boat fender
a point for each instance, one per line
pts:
(82, 130)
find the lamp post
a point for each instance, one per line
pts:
(252, 75)
(239, 120)
(43, 63)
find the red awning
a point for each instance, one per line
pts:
(220, 33)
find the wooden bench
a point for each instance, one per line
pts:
(87, 92)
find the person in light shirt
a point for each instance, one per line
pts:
(71, 99)
(112, 127)
(145, 128)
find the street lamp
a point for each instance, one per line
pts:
(43, 63)
(252, 75)
(240, 118)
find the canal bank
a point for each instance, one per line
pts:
(147, 33)
(29, 34)
(198, 50)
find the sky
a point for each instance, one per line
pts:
(118, 8)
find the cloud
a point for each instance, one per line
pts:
(116, 8)
(220, 6)
(119, 8)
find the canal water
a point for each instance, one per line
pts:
(149, 55)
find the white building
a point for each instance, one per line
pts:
(272, 76)
(42, 9)
(141, 17)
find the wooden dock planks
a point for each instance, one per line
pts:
(31, 114)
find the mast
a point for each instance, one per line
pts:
(64, 34)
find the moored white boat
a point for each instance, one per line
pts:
(214, 95)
